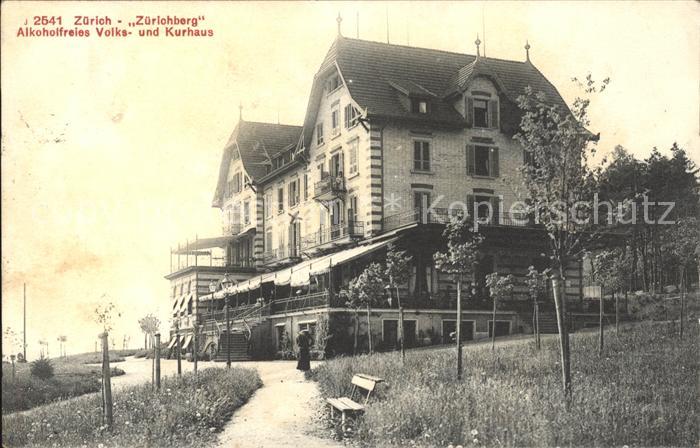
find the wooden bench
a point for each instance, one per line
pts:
(347, 405)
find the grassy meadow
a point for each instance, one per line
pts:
(641, 392)
(185, 412)
(73, 376)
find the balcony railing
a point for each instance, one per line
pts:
(281, 253)
(232, 229)
(299, 303)
(349, 230)
(443, 216)
(329, 187)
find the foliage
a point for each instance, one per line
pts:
(499, 286)
(42, 369)
(639, 396)
(149, 324)
(186, 412)
(682, 241)
(462, 247)
(321, 335)
(366, 289)
(610, 268)
(105, 314)
(536, 282)
(398, 266)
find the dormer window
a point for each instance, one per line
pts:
(419, 106)
(481, 113)
(351, 116)
(319, 134)
(333, 83)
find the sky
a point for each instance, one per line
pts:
(110, 147)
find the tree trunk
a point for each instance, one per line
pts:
(536, 326)
(156, 357)
(617, 313)
(357, 330)
(600, 324)
(458, 329)
(369, 329)
(493, 326)
(106, 381)
(401, 335)
(179, 354)
(560, 304)
(683, 287)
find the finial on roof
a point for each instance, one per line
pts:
(477, 42)
(527, 50)
(240, 111)
(339, 19)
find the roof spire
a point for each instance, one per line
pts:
(477, 42)
(527, 51)
(339, 19)
(240, 111)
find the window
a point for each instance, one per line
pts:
(481, 113)
(482, 161)
(268, 240)
(352, 209)
(351, 116)
(352, 150)
(333, 83)
(246, 212)
(306, 186)
(189, 287)
(421, 199)
(234, 185)
(293, 193)
(280, 200)
(419, 106)
(336, 164)
(268, 204)
(421, 156)
(319, 134)
(335, 120)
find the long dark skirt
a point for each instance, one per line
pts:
(304, 359)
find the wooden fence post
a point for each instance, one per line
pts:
(106, 381)
(179, 353)
(157, 360)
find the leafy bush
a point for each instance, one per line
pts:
(184, 413)
(641, 394)
(42, 369)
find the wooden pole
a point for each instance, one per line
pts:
(537, 326)
(493, 325)
(179, 350)
(195, 349)
(458, 329)
(228, 335)
(682, 299)
(107, 382)
(157, 358)
(24, 328)
(617, 314)
(601, 336)
(12, 358)
(560, 303)
(401, 333)
(369, 328)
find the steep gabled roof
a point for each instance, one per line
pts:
(257, 144)
(374, 71)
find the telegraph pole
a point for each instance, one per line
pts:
(24, 329)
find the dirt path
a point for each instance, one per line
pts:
(280, 414)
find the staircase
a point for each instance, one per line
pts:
(548, 323)
(239, 347)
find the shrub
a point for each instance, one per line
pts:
(42, 369)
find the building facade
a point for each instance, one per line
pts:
(395, 140)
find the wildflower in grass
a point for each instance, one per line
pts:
(474, 433)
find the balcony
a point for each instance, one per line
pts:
(328, 188)
(333, 236)
(281, 255)
(232, 228)
(443, 216)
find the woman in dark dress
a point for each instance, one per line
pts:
(303, 342)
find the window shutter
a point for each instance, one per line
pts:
(470, 205)
(494, 162)
(493, 108)
(495, 204)
(412, 280)
(469, 112)
(470, 160)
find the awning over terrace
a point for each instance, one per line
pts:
(300, 273)
(173, 340)
(204, 243)
(188, 339)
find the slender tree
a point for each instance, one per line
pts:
(460, 261)
(500, 287)
(536, 286)
(363, 292)
(560, 188)
(398, 271)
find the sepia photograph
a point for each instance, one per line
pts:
(260, 224)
